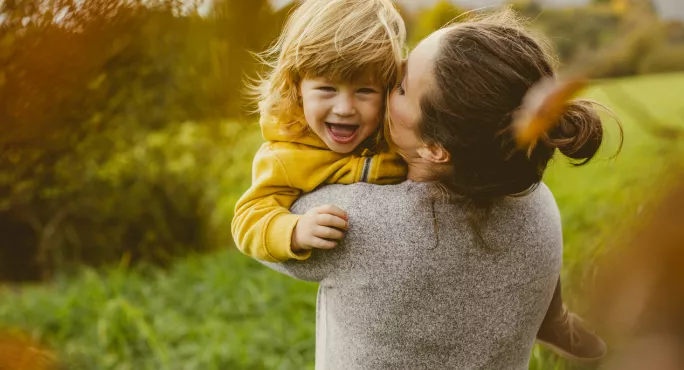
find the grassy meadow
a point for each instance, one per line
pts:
(224, 311)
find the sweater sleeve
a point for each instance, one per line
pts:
(262, 226)
(325, 264)
(315, 269)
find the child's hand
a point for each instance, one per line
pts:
(320, 227)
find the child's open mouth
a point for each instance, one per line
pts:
(342, 133)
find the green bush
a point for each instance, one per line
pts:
(114, 115)
(667, 58)
(577, 30)
(626, 56)
(158, 195)
(606, 42)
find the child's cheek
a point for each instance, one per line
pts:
(378, 107)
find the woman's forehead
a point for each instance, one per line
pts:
(419, 65)
(428, 47)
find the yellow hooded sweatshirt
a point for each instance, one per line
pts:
(283, 169)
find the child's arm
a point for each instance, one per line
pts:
(263, 227)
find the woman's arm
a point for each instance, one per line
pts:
(316, 268)
(323, 263)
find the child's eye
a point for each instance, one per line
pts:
(366, 90)
(326, 88)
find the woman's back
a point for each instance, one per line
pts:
(413, 287)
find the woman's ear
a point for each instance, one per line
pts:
(434, 153)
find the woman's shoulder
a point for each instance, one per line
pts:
(536, 206)
(539, 200)
(531, 220)
(363, 196)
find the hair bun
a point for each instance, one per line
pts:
(579, 133)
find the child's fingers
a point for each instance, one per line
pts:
(319, 243)
(331, 221)
(332, 210)
(328, 233)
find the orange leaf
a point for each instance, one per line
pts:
(542, 107)
(20, 353)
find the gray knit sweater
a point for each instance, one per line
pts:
(411, 286)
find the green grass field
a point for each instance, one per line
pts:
(225, 311)
(611, 191)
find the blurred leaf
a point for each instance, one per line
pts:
(18, 352)
(542, 107)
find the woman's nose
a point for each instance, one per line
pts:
(344, 106)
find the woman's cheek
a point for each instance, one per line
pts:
(390, 105)
(396, 116)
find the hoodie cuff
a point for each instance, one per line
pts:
(278, 238)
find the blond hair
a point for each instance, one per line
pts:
(337, 39)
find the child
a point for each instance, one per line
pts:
(321, 106)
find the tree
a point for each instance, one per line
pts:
(96, 141)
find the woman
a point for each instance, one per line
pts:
(454, 268)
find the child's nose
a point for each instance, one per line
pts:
(344, 106)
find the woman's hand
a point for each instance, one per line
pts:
(320, 228)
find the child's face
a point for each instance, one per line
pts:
(343, 114)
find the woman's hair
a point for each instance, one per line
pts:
(337, 39)
(482, 72)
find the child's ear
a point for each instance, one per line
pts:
(434, 153)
